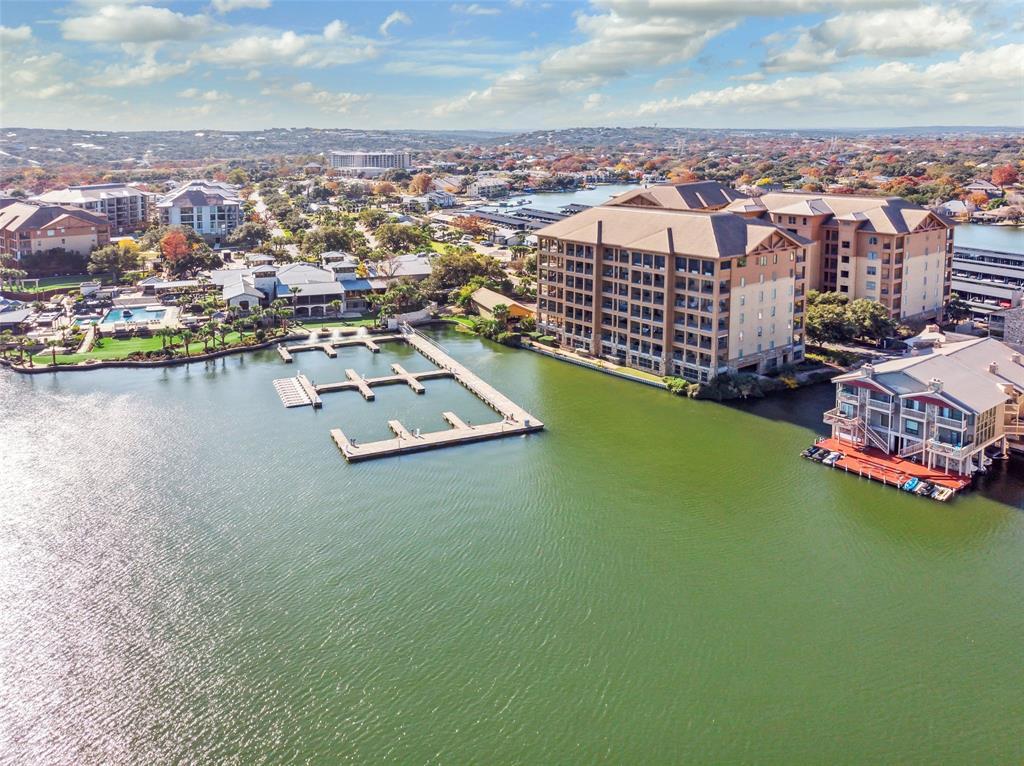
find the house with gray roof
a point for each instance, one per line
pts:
(942, 405)
(212, 208)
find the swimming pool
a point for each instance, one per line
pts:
(133, 315)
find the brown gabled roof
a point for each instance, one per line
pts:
(699, 195)
(673, 232)
(885, 215)
(26, 215)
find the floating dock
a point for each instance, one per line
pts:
(405, 441)
(329, 346)
(291, 392)
(515, 420)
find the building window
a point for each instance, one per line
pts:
(872, 255)
(870, 285)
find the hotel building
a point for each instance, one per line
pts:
(369, 163)
(940, 406)
(127, 209)
(212, 208)
(885, 249)
(27, 228)
(673, 290)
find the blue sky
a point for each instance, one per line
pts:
(516, 64)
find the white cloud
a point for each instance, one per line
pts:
(895, 87)
(395, 17)
(144, 71)
(194, 94)
(334, 47)
(903, 32)
(308, 93)
(12, 35)
(133, 24)
(226, 6)
(475, 9)
(425, 69)
(593, 101)
(629, 38)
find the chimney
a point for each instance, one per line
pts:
(1016, 359)
(600, 231)
(935, 385)
(931, 328)
(869, 370)
(993, 367)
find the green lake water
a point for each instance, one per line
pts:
(190, 573)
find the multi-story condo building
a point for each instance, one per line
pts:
(369, 163)
(212, 208)
(988, 280)
(885, 249)
(673, 291)
(940, 406)
(127, 208)
(27, 228)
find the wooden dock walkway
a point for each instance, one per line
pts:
(406, 441)
(329, 346)
(496, 400)
(310, 389)
(360, 384)
(411, 379)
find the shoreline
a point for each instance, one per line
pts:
(140, 363)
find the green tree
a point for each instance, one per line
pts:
(372, 217)
(113, 260)
(827, 323)
(957, 310)
(238, 177)
(869, 319)
(249, 234)
(456, 267)
(401, 238)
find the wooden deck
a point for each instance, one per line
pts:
(888, 469)
(405, 441)
(329, 346)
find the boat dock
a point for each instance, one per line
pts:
(364, 385)
(300, 391)
(894, 471)
(406, 441)
(329, 346)
(493, 398)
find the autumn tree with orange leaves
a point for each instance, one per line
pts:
(1005, 175)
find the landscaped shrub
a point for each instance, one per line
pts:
(547, 340)
(677, 386)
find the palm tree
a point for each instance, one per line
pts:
(335, 306)
(285, 313)
(52, 344)
(5, 340)
(224, 329)
(186, 338)
(208, 332)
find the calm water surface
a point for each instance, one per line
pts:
(190, 573)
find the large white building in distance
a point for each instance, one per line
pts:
(369, 164)
(212, 208)
(126, 207)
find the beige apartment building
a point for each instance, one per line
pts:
(885, 249)
(127, 208)
(27, 228)
(681, 292)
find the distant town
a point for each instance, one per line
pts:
(715, 265)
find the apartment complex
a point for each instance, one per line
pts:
(27, 228)
(212, 208)
(884, 249)
(369, 163)
(127, 208)
(673, 291)
(940, 406)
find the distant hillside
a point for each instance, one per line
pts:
(21, 146)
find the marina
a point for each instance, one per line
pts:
(300, 391)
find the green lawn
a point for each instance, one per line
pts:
(111, 348)
(309, 324)
(56, 283)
